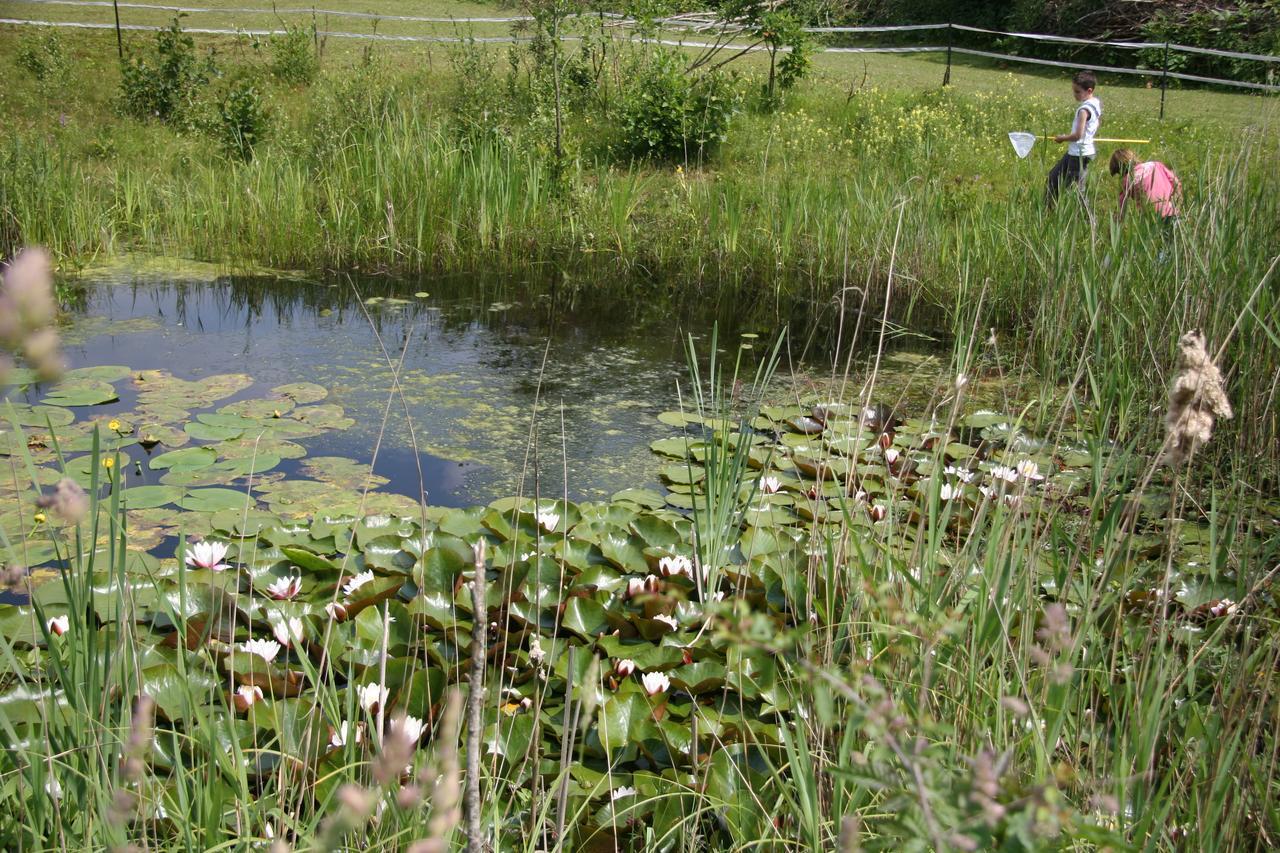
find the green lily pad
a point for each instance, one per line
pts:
(213, 500)
(148, 497)
(301, 393)
(187, 458)
(80, 392)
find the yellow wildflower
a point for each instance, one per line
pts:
(113, 425)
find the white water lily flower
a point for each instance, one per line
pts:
(1029, 469)
(947, 492)
(1225, 607)
(987, 491)
(878, 512)
(284, 589)
(964, 475)
(336, 611)
(635, 586)
(1012, 500)
(52, 788)
(208, 555)
(619, 793)
(349, 588)
(678, 565)
(59, 625)
(624, 667)
(652, 583)
(410, 728)
(666, 620)
(247, 695)
(338, 736)
(288, 630)
(265, 649)
(655, 683)
(548, 520)
(770, 485)
(372, 696)
(891, 455)
(1005, 473)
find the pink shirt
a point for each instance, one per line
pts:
(1155, 183)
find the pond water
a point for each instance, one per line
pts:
(501, 392)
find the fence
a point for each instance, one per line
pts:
(694, 24)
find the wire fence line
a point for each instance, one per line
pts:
(692, 23)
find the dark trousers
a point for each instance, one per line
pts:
(1069, 170)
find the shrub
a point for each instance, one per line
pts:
(242, 118)
(41, 53)
(293, 56)
(670, 114)
(165, 84)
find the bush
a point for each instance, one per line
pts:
(667, 113)
(242, 119)
(293, 57)
(41, 53)
(165, 84)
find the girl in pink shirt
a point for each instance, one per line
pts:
(1152, 183)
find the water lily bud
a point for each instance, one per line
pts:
(59, 625)
(624, 667)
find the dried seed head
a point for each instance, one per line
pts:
(67, 501)
(1196, 398)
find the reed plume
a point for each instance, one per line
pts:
(1196, 399)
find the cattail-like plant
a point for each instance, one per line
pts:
(1196, 399)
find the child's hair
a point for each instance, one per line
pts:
(1085, 80)
(1122, 161)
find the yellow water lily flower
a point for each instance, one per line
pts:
(113, 425)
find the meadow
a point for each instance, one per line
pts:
(841, 626)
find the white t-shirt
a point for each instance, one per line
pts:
(1092, 108)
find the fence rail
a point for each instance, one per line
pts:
(693, 24)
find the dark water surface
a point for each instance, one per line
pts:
(492, 377)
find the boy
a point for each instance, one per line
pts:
(1071, 168)
(1151, 184)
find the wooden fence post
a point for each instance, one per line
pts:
(115, 4)
(1164, 78)
(946, 76)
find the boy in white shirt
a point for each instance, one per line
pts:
(1073, 165)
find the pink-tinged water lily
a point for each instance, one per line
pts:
(671, 567)
(655, 683)
(878, 512)
(1005, 473)
(667, 620)
(284, 589)
(336, 611)
(859, 496)
(947, 492)
(246, 696)
(350, 587)
(338, 736)
(635, 586)
(265, 649)
(652, 583)
(548, 520)
(1029, 469)
(288, 630)
(891, 455)
(208, 555)
(624, 667)
(770, 485)
(59, 625)
(372, 696)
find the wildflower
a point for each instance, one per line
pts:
(336, 611)
(283, 589)
(113, 425)
(548, 520)
(623, 667)
(1225, 607)
(655, 683)
(67, 501)
(1029, 470)
(666, 620)
(372, 696)
(770, 485)
(208, 555)
(619, 793)
(265, 649)
(59, 625)
(338, 736)
(635, 586)
(1196, 398)
(673, 566)
(350, 587)
(247, 695)
(1005, 473)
